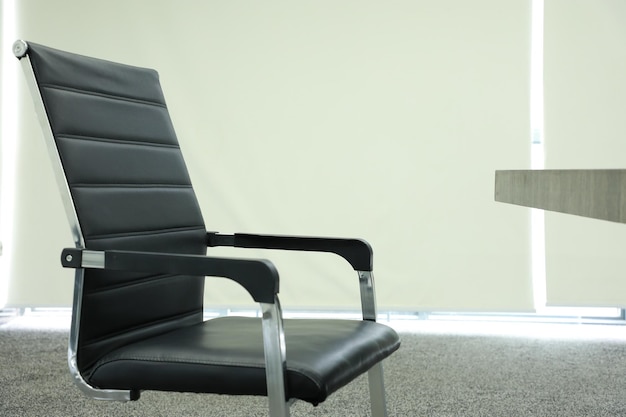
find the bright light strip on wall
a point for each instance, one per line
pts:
(8, 143)
(537, 217)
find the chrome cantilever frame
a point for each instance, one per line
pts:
(20, 49)
(375, 377)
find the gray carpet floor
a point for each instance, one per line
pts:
(433, 374)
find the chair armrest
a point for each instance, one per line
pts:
(356, 251)
(258, 276)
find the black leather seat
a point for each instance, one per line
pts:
(322, 356)
(141, 261)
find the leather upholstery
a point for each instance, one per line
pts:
(225, 355)
(131, 191)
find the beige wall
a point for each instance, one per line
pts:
(379, 120)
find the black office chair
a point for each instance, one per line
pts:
(140, 258)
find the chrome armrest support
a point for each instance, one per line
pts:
(368, 295)
(275, 358)
(375, 374)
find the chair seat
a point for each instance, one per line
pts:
(225, 356)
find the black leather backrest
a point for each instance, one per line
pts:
(130, 189)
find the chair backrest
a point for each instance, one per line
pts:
(130, 190)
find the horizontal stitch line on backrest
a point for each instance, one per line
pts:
(131, 283)
(146, 232)
(148, 324)
(118, 141)
(198, 361)
(132, 186)
(103, 95)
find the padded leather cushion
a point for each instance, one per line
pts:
(131, 191)
(217, 355)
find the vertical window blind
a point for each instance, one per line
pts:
(378, 120)
(585, 98)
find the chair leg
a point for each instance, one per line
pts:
(275, 358)
(377, 391)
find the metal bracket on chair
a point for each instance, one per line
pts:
(20, 48)
(82, 258)
(368, 295)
